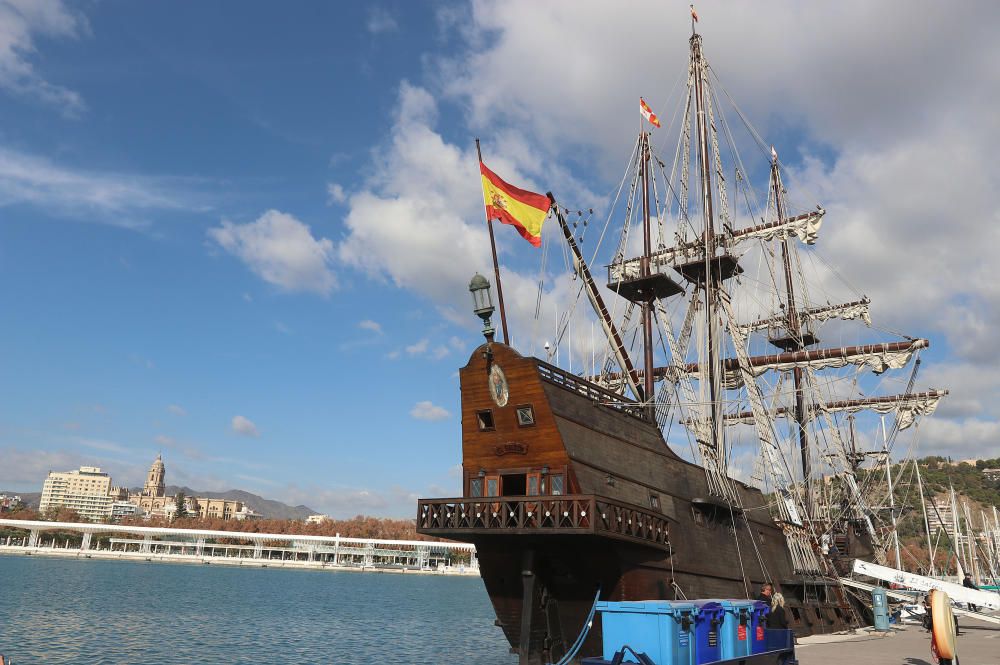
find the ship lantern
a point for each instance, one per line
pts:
(482, 302)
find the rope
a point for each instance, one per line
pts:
(571, 654)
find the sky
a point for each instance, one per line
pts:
(240, 234)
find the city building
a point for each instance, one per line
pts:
(991, 474)
(153, 501)
(89, 492)
(120, 509)
(10, 502)
(317, 519)
(86, 490)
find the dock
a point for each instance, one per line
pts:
(908, 644)
(237, 548)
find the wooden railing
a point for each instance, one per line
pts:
(591, 390)
(532, 515)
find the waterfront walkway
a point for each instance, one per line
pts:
(236, 548)
(910, 644)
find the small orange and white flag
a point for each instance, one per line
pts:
(774, 154)
(647, 113)
(694, 14)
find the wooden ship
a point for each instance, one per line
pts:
(571, 490)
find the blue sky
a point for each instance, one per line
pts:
(241, 233)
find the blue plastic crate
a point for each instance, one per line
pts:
(758, 627)
(663, 630)
(709, 622)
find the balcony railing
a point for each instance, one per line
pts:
(590, 390)
(535, 515)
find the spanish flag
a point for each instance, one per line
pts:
(518, 207)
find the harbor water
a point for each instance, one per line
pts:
(82, 612)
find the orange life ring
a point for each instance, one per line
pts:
(943, 625)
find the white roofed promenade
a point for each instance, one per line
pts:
(235, 548)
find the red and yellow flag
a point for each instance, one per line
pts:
(647, 113)
(520, 208)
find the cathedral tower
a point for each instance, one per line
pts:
(155, 485)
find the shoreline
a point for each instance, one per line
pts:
(236, 562)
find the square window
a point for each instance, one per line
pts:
(556, 484)
(525, 416)
(476, 487)
(493, 486)
(654, 501)
(485, 419)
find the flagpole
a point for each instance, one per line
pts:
(496, 266)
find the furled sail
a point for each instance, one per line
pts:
(906, 407)
(876, 357)
(805, 227)
(859, 309)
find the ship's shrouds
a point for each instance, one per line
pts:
(524, 210)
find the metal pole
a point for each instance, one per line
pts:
(496, 265)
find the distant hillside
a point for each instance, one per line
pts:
(269, 508)
(30, 499)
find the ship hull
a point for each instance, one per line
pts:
(571, 492)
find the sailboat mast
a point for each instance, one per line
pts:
(708, 220)
(927, 526)
(647, 305)
(795, 338)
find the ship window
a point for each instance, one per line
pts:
(485, 419)
(525, 416)
(654, 501)
(493, 486)
(533, 482)
(556, 484)
(476, 487)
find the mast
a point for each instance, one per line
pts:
(796, 343)
(892, 498)
(617, 346)
(647, 305)
(956, 544)
(709, 281)
(927, 525)
(496, 265)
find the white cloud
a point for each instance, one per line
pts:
(335, 193)
(281, 250)
(282, 328)
(20, 22)
(427, 410)
(176, 410)
(371, 326)
(381, 21)
(118, 199)
(244, 426)
(418, 348)
(165, 441)
(906, 172)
